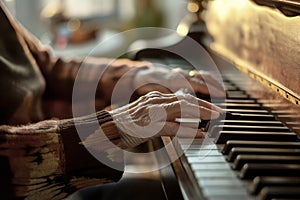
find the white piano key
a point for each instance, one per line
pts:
(207, 159)
(231, 197)
(213, 166)
(201, 147)
(218, 182)
(199, 152)
(224, 190)
(214, 174)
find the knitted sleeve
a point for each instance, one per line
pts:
(96, 76)
(61, 73)
(47, 160)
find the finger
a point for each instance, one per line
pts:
(156, 98)
(150, 98)
(170, 111)
(183, 108)
(209, 78)
(160, 98)
(192, 105)
(201, 87)
(194, 100)
(152, 87)
(207, 82)
(175, 129)
(169, 98)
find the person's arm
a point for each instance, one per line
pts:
(60, 74)
(57, 157)
(46, 160)
(111, 72)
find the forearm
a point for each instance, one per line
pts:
(60, 74)
(101, 74)
(49, 153)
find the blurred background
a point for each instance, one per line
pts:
(74, 27)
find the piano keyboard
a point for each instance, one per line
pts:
(256, 156)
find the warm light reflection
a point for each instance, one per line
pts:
(182, 29)
(241, 3)
(51, 9)
(222, 6)
(193, 7)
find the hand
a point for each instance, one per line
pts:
(169, 81)
(154, 115)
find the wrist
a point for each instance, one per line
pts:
(129, 131)
(96, 133)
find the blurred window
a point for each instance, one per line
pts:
(90, 8)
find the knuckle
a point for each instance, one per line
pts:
(189, 96)
(183, 102)
(154, 93)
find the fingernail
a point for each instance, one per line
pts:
(215, 115)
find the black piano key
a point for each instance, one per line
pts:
(240, 118)
(269, 193)
(253, 128)
(260, 151)
(239, 106)
(264, 144)
(245, 111)
(250, 122)
(248, 116)
(262, 181)
(230, 87)
(251, 170)
(240, 101)
(224, 136)
(237, 95)
(241, 160)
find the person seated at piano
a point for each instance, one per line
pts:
(39, 142)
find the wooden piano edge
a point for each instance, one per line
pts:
(179, 177)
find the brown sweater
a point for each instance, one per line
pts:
(45, 159)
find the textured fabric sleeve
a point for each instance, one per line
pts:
(28, 67)
(96, 76)
(60, 74)
(46, 160)
(21, 83)
(104, 148)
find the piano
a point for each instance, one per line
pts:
(254, 152)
